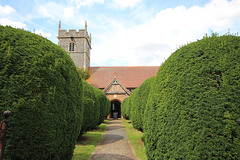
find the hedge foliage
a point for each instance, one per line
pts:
(193, 105)
(84, 74)
(133, 107)
(126, 108)
(96, 107)
(104, 105)
(39, 83)
(123, 108)
(138, 103)
(91, 108)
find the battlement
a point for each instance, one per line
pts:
(73, 32)
(81, 33)
(77, 44)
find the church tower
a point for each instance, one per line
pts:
(77, 44)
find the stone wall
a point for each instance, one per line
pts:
(82, 45)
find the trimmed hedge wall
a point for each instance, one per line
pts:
(126, 108)
(138, 103)
(104, 104)
(91, 108)
(96, 107)
(193, 105)
(39, 83)
(123, 108)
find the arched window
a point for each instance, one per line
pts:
(71, 46)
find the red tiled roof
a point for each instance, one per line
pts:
(129, 77)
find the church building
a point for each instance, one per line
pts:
(116, 82)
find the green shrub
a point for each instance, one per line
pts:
(126, 108)
(96, 107)
(84, 74)
(108, 107)
(138, 103)
(39, 83)
(90, 118)
(103, 103)
(123, 108)
(193, 105)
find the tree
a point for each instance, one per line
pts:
(84, 74)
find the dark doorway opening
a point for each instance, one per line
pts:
(115, 109)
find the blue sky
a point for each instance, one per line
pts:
(126, 32)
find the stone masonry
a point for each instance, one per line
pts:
(76, 44)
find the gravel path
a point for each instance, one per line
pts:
(114, 144)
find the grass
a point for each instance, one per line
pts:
(87, 143)
(134, 137)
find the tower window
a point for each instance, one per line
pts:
(71, 46)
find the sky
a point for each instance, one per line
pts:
(126, 32)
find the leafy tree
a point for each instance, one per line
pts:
(84, 74)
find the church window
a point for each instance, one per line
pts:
(71, 46)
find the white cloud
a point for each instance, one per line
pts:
(50, 10)
(6, 10)
(45, 35)
(15, 24)
(153, 42)
(55, 12)
(68, 12)
(86, 2)
(125, 3)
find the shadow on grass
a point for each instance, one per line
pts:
(87, 142)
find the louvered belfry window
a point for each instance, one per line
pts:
(71, 46)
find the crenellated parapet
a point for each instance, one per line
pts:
(81, 33)
(77, 44)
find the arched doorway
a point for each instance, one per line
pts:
(115, 109)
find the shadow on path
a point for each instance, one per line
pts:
(114, 144)
(110, 156)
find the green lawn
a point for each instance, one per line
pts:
(134, 137)
(86, 145)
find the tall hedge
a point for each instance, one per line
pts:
(104, 104)
(91, 110)
(108, 107)
(126, 108)
(123, 108)
(193, 106)
(138, 103)
(39, 83)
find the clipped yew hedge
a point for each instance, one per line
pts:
(96, 107)
(39, 83)
(107, 107)
(138, 103)
(104, 105)
(193, 106)
(126, 108)
(123, 108)
(91, 108)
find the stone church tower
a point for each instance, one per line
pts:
(77, 44)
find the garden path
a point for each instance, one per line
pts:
(114, 144)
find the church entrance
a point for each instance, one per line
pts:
(115, 109)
